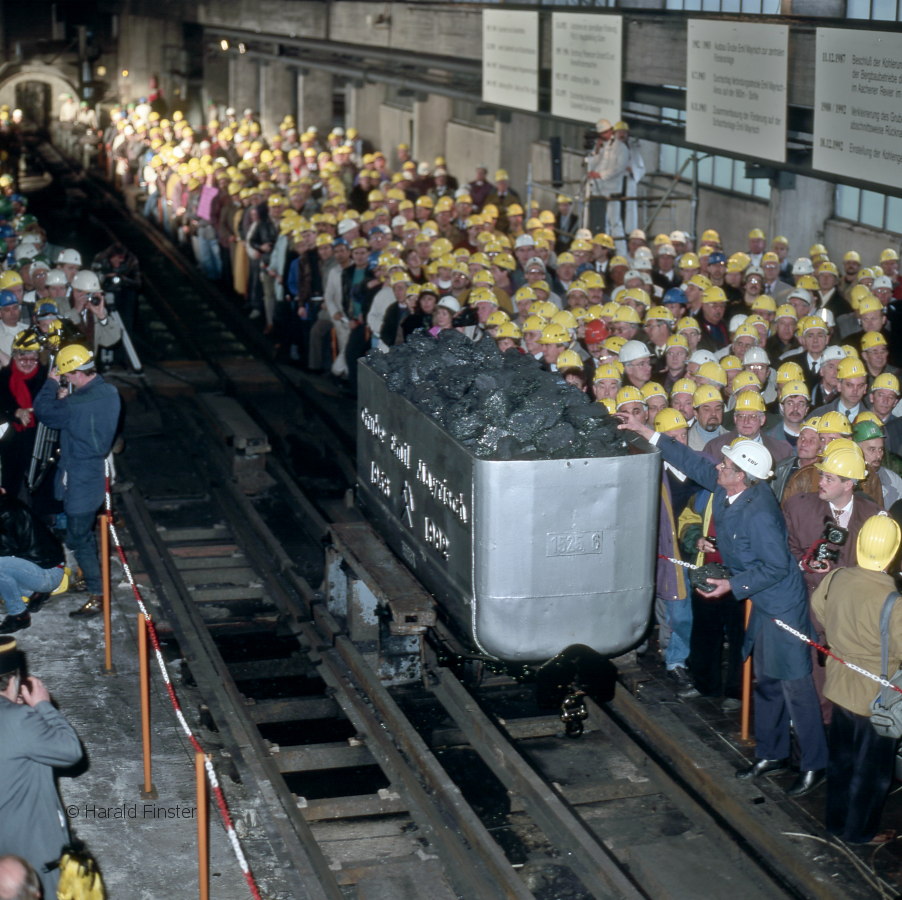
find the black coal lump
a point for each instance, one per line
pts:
(500, 406)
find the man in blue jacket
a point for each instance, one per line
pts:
(752, 540)
(86, 420)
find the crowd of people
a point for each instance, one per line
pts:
(767, 379)
(58, 422)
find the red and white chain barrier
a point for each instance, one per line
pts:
(221, 804)
(849, 665)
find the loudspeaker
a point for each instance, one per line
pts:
(557, 162)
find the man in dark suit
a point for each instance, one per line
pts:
(751, 538)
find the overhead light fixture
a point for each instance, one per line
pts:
(224, 44)
(125, 73)
(242, 48)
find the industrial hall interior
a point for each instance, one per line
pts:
(450, 449)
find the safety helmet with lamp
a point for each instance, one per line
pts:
(844, 463)
(669, 419)
(74, 358)
(878, 542)
(753, 458)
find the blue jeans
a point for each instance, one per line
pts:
(82, 541)
(679, 618)
(19, 577)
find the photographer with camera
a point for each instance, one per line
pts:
(823, 529)
(751, 539)
(120, 275)
(89, 313)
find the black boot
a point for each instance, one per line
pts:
(15, 623)
(37, 601)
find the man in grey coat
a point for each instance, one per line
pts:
(34, 737)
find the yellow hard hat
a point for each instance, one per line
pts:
(749, 401)
(886, 382)
(608, 370)
(669, 419)
(794, 389)
(554, 334)
(508, 329)
(498, 317)
(844, 463)
(74, 357)
(629, 394)
(653, 389)
(870, 340)
(790, 371)
(878, 542)
(851, 368)
(569, 359)
(684, 386)
(834, 422)
(714, 372)
(706, 393)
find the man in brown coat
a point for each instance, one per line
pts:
(849, 602)
(836, 502)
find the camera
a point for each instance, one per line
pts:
(95, 299)
(834, 534)
(466, 317)
(698, 578)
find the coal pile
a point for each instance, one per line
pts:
(500, 406)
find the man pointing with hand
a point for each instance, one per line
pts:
(751, 538)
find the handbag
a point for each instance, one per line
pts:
(886, 707)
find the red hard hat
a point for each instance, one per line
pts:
(596, 331)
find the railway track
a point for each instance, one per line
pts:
(372, 768)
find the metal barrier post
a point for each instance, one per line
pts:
(148, 791)
(746, 682)
(103, 525)
(203, 830)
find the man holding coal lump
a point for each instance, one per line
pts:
(751, 538)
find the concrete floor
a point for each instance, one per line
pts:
(147, 849)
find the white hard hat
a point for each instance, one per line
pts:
(831, 353)
(86, 280)
(69, 257)
(449, 303)
(802, 294)
(633, 350)
(603, 125)
(755, 356)
(882, 281)
(752, 457)
(736, 321)
(26, 251)
(56, 278)
(700, 357)
(803, 266)
(827, 316)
